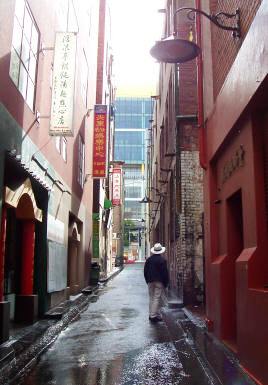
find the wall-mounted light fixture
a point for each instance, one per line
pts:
(147, 200)
(155, 189)
(172, 154)
(166, 169)
(176, 50)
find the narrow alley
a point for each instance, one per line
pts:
(113, 343)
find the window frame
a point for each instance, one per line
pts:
(17, 53)
(61, 146)
(81, 161)
(84, 79)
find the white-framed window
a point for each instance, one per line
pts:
(81, 161)
(58, 143)
(61, 146)
(64, 148)
(24, 52)
(84, 77)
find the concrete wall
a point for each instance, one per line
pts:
(67, 197)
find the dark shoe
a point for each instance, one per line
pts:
(155, 319)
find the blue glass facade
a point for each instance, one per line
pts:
(131, 121)
(129, 146)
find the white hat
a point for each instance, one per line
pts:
(158, 249)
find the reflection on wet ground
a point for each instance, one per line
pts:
(156, 364)
(113, 343)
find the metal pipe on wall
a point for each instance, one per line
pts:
(200, 101)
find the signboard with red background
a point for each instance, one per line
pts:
(116, 198)
(99, 163)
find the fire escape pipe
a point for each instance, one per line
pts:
(200, 100)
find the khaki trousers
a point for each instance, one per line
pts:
(157, 298)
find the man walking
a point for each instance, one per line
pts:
(156, 277)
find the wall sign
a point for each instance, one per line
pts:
(99, 163)
(237, 161)
(116, 200)
(95, 237)
(61, 122)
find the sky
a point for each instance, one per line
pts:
(136, 25)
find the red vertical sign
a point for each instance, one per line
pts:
(116, 199)
(99, 141)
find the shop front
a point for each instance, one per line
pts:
(22, 241)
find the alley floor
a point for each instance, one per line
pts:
(113, 343)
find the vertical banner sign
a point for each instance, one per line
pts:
(99, 163)
(116, 200)
(61, 121)
(95, 236)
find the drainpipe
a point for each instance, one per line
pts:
(200, 101)
(2, 251)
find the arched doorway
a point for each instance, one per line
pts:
(17, 253)
(73, 258)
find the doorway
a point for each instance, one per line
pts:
(13, 246)
(73, 277)
(235, 245)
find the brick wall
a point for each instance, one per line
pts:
(187, 74)
(224, 46)
(190, 241)
(187, 89)
(189, 137)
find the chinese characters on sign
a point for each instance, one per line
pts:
(95, 237)
(99, 141)
(116, 186)
(237, 161)
(63, 84)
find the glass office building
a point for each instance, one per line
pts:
(131, 122)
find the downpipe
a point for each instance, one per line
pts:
(200, 99)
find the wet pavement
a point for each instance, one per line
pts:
(113, 343)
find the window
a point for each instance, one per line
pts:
(148, 107)
(84, 78)
(133, 173)
(129, 121)
(64, 149)
(133, 191)
(133, 209)
(81, 161)
(129, 105)
(129, 138)
(58, 143)
(129, 154)
(24, 52)
(61, 146)
(129, 146)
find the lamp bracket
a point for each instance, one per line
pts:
(172, 154)
(166, 169)
(155, 189)
(218, 19)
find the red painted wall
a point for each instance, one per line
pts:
(46, 19)
(236, 199)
